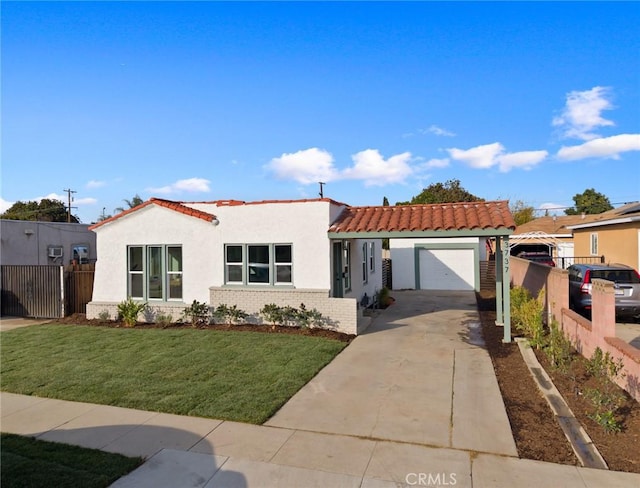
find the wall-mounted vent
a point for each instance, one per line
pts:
(55, 252)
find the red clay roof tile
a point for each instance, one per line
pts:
(176, 206)
(444, 216)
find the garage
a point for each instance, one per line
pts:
(446, 269)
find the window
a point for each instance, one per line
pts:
(155, 272)
(234, 259)
(594, 244)
(80, 253)
(283, 264)
(258, 264)
(372, 261)
(346, 265)
(365, 263)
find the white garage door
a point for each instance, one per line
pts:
(446, 269)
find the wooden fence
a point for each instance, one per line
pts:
(45, 291)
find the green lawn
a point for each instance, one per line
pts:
(27, 462)
(243, 376)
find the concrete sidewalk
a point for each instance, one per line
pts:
(412, 402)
(10, 323)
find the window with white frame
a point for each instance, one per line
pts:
(594, 244)
(154, 272)
(258, 264)
(372, 261)
(346, 265)
(365, 262)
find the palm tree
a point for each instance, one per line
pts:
(134, 202)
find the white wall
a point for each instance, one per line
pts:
(155, 225)
(302, 224)
(403, 261)
(374, 279)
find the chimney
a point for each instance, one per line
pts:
(583, 215)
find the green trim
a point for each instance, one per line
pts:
(474, 246)
(421, 233)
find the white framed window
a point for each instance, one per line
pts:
(258, 264)
(365, 263)
(372, 261)
(594, 244)
(154, 272)
(346, 265)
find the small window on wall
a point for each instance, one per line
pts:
(80, 253)
(346, 265)
(365, 263)
(594, 244)
(372, 261)
(234, 257)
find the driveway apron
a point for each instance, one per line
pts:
(419, 374)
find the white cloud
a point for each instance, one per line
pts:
(305, 166)
(95, 184)
(4, 205)
(581, 114)
(605, 147)
(490, 155)
(436, 163)
(439, 131)
(522, 159)
(374, 170)
(480, 157)
(190, 185)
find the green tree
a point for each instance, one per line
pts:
(47, 210)
(134, 202)
(449, 192)
(522, 213)
(589, 202)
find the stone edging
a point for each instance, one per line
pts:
(581, 443)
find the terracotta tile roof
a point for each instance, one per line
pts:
(176, 206)
(445, 216)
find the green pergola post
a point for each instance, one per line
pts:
(506, 288)
(499, 319)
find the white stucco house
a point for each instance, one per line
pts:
(250, 254)
(321, 253)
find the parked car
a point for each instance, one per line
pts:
(626, 282)
(538, 257)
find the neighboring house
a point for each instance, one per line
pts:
(549, 234)
(319, 252)
(614, 234)
(26, 242)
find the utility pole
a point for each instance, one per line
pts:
(321, 183)
(69, 200)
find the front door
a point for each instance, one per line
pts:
(338, 290)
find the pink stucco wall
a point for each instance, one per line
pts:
(586, 335)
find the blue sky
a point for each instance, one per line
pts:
(206, 100)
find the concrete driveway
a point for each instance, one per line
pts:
(419, 374)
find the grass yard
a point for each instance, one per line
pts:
(227, 375)
(28, 462)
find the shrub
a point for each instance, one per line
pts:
(308, 318)
(197, 313)
(104, 315)
(384, 299)
(606, 397)
(558, 348)
(128, 311)
(527, 314)
(272, 313)
(164, 319)
(229, 315)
